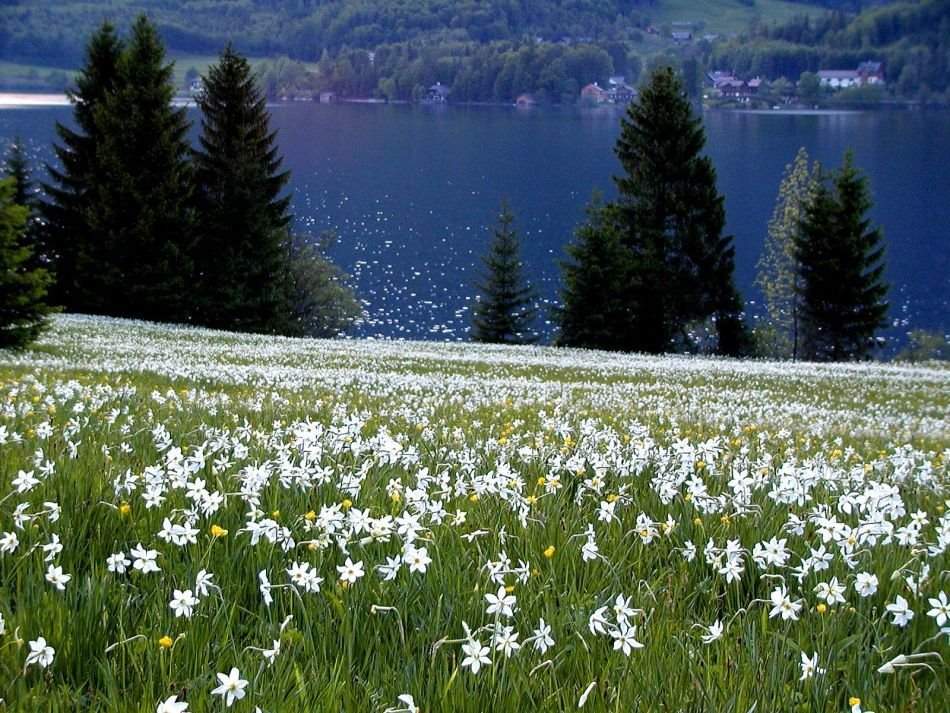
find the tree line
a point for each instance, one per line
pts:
(651, 271)
(134, 222)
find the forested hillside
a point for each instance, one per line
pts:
(54, 31)
(495, 50)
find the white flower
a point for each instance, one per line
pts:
(172, 705)
(810, 666)
(52, 549)
(231, 688)
(624, 638)
(476, 655)
(831, 592)
(542, 637)
(144, 559)
(24, 482)
(502, 603)
(265, 588)
(417, 559)
(941, 608)
(389, 570)
(57, 577)
(782, 604)
(118, 563)
(203, 583)
(3, 625)
(40, 653)
(714, 632)
(270, 655)
(901, 611)
(506, 640)
(9, 542)
(183, 603)
(350, 572)
(865, 584)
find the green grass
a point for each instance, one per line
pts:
(726, 16)
(495, 450)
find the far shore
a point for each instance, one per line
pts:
(15, 100)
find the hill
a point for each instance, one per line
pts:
(54, 32)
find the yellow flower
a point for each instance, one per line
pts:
(275, 514)
(311, 515)
(510, 588)
(821, 608)
(218, 531)
(612, 498)
(542, 480)
(725, 520)
(165, 642)
(549, 552)
(347, 504)
(473, 497)
(700, 465)
(395, 497)
(125, 509)
(854, 701)
(531, 500)
(697, 521)
(688, 497)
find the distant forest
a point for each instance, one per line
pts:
(493, 50)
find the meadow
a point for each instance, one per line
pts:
(194, 521)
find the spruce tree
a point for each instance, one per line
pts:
(243, 219)
(670, 218)
(68, 205)
(139, 262)
(840, 268)
(777, 268)
(24, 194)
(506, 311)
(23, 286)
(593, 279)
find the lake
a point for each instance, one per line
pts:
(412, 192)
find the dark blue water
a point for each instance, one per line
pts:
(412, 192)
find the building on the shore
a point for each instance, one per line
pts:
(438, 93)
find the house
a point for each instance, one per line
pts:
(838, 78)
(328, 97)
(754, 85)
(526, 99)
(594, 94)
(436, 94)
(871, 72)
(681, 36)
(732, 87)
(621, 93)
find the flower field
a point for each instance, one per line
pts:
(196, 521)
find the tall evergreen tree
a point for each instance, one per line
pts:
(24, 194)
(840, 268)
(593, 278)
(23, 286)
(243, 218)
(669, 219)
(506, 311)
(139, 262)
(67, 208)
(777, 268)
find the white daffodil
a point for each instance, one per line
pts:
(940, 610)
(172, 705)
(183, 603)
(810, 666)
(476, 655)
(901, 611)
(231, 688)
(41, 653)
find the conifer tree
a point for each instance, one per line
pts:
(592, 308)
(777, 268)
(68, 203)
(24, 194)
(23, 286)
(243, 218)
(669, 220)
(506, 311)
(139, 262)
(840, 269)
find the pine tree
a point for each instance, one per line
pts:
(139, 262)
(23, 309)
(68, 207)
(243, 218)
(505, 312)
(24, 194)
(840, 269)
(670, 219)
(777, 268)
(593, 278)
